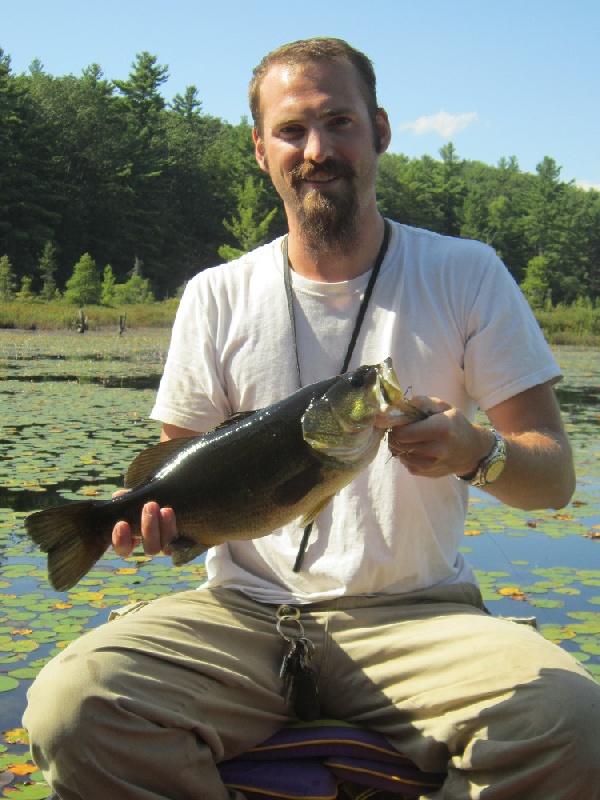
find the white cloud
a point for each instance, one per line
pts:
(442, 123)
(587, 185)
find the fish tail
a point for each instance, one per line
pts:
(69, 536)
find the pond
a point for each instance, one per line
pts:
(75, 412)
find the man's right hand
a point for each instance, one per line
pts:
(158, 525)
(159, 528)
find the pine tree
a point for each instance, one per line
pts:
(249, 226)
(7, 279)
(84, 286)
(25, 293)
(47, 268)
(108, 286)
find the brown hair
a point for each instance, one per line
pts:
(317, 49)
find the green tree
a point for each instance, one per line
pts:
(537, 285)
(26, 293)
(591, 229)
(141, 90)
(249, 226)
(451, 190)
(7, 279)
(406, 191)
(144, 176)
(28, 189)
(136, 291)
(187, 105)
(47, 269)
(107, 297)
(84, 287)
(544, 206)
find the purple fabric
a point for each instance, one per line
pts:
(290, 780)
(407, 781)
(304, 760)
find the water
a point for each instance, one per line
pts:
(75, 412)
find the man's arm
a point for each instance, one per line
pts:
(539, 466)
(159, 526)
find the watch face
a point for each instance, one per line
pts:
(495, 469)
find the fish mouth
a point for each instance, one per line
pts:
(392, 401)
(388, 387)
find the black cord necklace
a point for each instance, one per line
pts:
(353, 339)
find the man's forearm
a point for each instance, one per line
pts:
(539, 471)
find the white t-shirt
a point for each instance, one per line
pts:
(456, 326)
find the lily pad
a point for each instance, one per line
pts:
(7, 683)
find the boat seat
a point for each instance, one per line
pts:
(326, 760)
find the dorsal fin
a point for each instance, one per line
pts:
(145, 465)
(237, 417)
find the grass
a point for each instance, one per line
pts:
(58, 316)
(578, 324)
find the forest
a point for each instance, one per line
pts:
(108, 173)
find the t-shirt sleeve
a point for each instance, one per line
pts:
(191, 393)
(505, 352)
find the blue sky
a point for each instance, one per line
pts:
(495, 77)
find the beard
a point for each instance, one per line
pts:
(327, 221)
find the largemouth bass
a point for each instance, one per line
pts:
(244, 479)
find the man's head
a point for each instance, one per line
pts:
(318, 133)
(315, 50)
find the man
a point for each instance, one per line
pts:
(143, 707)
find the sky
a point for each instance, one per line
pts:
(497, 78)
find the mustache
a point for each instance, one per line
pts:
(330, 168)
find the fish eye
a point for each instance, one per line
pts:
(356, 381)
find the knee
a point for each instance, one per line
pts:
(60, 703)
(569, 710)
(553, 724)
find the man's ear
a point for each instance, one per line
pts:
(259, 151)
(383, 129)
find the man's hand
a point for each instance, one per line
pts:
(445, 443)
(158, 526)
(539, 464)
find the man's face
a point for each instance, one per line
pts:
(321, 147)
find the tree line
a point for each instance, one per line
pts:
(105, 178)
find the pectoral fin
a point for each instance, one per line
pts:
(314, 512)
(297, 487)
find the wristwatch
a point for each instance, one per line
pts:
(492, 466)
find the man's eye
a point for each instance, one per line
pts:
(341, 121)
(291, 131)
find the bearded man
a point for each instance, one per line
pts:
(146, 706)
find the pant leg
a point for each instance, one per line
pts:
(508, 714)
(141, 708)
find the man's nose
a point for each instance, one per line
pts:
(318, 145)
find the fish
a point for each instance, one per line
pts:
(244, 479)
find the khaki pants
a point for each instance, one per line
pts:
(143, 707)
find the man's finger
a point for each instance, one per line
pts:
(122, 539)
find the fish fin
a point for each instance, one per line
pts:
(67, 533)
(298, 486)
(184, 549)
(237, 417)
(314, 512)
(147, 463)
